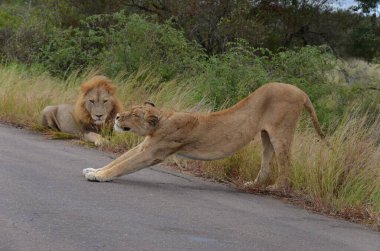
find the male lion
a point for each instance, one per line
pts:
(273, 110)
(94, 109)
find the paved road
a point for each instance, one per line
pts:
(45, 204)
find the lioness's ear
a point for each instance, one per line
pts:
(149, 103)
(152, 120)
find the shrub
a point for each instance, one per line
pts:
(127, 42)
(70, 50)
(9, 17)
(139, 42)
(229, 77)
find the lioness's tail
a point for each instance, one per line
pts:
(310, 109)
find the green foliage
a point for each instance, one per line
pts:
(229, 77)
(127, 42)
(309, 62)
(136, 42)
(25, 43)
(9, 18)
(71, 49)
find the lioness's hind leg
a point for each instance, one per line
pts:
(266, 157)
(282, 151)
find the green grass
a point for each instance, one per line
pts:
(342, 180)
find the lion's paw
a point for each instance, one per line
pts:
(101, 141)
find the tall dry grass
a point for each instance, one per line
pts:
(24, 92)
(343, 179)
(346, 177)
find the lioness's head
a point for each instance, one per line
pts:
(142, 120)
(97, 103)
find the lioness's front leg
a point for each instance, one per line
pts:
(124, 156)
(122, 166)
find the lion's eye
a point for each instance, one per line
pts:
(92, 101)
(135, 115)
(105, 101)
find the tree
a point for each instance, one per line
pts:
(367, 6)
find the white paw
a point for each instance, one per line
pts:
(101, 141)
(249, 184)
(90, 176)
(253, 184)
(88, 170)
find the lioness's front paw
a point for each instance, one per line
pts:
(88, 170)
(94, 175)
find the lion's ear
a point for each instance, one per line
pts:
(149, 103)
(152, 120)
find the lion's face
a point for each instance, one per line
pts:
(142, 120)
(97, 103)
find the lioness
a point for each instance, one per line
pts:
(95, 108)
(273, 110)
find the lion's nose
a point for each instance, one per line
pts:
(117, 116)
(99, 116)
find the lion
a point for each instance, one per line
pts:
(273, 110)
(95, 109)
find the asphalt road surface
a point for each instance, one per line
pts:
(46, 204)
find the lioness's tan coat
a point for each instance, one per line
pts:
(94, 109)
(273, 110)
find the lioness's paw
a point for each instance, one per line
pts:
(95, 176)
(88, 170)
(249, 184)
(278, 188)
(274, 188)
(90, 176)
(253, 184)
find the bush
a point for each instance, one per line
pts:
(9, 17)
(227, 78)
(22, 33)
(161, 47)
(71, 49)
(25, 44)
(127, 42)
